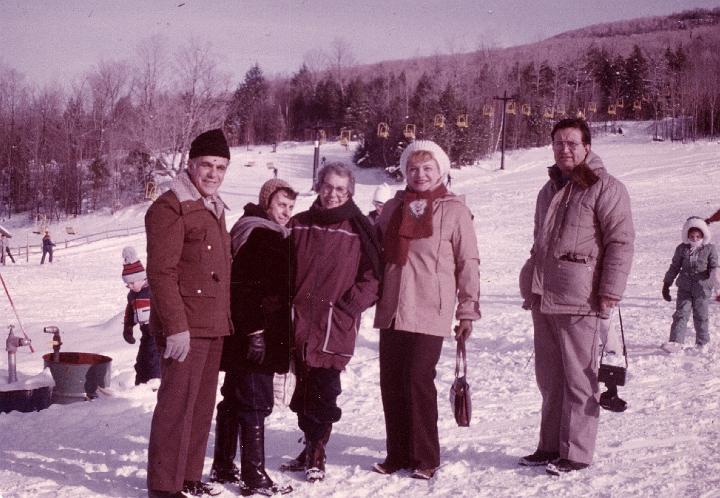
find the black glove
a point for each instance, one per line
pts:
(256, 347)
(128, 335)
(666, 292)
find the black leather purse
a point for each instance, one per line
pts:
(460, 401)
(614, 375)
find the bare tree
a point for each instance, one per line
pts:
(201, 87)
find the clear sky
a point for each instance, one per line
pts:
(55, 40)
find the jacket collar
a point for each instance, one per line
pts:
(185, 190)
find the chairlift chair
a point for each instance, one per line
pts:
(409, 132)
(611, 110)
(487, 110)
(620, 104)
(637, 105)
(439, 121)
(525, 109)
(549, 113)
(383, 130)
(592, 107)
(511, 108)
(462, 121)
(150, 190)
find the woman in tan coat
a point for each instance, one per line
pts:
(431, 270)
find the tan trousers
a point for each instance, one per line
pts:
(183, 414)
(566, 351)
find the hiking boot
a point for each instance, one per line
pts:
(199, 488)
(538, 458)
(563, 466)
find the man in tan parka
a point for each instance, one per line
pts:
(576, 273)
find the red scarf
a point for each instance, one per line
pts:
(411, 220)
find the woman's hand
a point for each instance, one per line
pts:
(463, 329)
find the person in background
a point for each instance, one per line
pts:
(577, 272)
(382, 194)
(137, 311)
(260, 345)
(47, 247)
(337, 269)
(695, 265)
(188, 251)
(431, 276)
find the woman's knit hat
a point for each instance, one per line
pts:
(268, 189)
(428, 145)
(133, 270)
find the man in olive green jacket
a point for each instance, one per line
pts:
(189, 273)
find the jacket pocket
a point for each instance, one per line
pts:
(193, 245)
(340, 333)
(570, 282)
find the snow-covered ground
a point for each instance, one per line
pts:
(666, 444)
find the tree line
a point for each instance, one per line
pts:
(100, 142)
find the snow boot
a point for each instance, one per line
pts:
(226, 440)
(315, 467)
(252, 464)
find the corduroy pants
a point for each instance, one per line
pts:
(409, 397)
(183, 415)
(566, 352)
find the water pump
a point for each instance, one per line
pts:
(12, 343)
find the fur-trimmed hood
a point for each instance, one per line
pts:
(699, 223)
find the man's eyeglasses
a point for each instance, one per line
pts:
(561, 144)
(327, 189)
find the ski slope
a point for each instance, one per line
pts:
(666, 444)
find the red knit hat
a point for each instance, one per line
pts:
(133, 269)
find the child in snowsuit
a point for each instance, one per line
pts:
(695, 264)
(147, 363)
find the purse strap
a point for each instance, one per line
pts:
(460, 357)
(622, 335)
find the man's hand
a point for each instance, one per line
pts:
(128, 335)
(666, 293)
(256, 347)
(463, 330)
(607, 303)
(177, 346)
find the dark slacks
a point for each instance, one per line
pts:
(247, 398)
(147, 362)
(409, 397)
(315, 400)
(183, 414)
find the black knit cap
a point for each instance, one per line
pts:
(210, 143)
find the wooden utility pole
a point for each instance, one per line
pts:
(505, 99)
